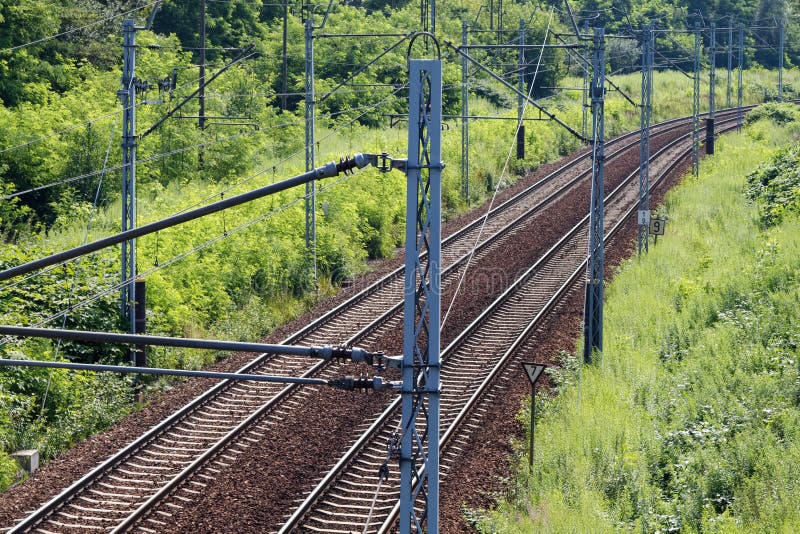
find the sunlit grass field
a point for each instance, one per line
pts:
(690, 419)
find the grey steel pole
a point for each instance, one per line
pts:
(644, 138)
(310, 201)
(201, 96)
(419, 443)
(533, 423)
(520, 101)
(740, 66)
(696, 104)
(593, 307)
(729, 91)
(712, 65)
(464, 115)
(781, 38)
(128, 96)
(585, 94)
(285, 63)
(712, 86)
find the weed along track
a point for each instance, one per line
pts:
(247, 456)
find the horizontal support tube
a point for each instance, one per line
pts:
(487, 117)
(361, 35)
(326, 171)
(154, 371)
(517, 46)
(210, 344)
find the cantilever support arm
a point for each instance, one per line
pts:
(326, 171)
(586, 65)
(348, 383)
(532, 102)
(326, 352)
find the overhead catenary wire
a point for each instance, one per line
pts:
(162, 155)
(177, 258)
(79, 28)
(290, 156)
(61, 132)
(79, 262)
(497, 187)
(147, 159)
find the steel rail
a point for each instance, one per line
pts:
(217, 390)
(349, 456)
(147, 506)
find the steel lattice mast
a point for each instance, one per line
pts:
(593, 307)
(464, 116)
(128, 96)
(712, 86)
(696, 104)
(729, 90)
(521, 88)
(648, 46)
(311, 192)
(781, 40)
(739, 87)
(419, 455)
(585, 92)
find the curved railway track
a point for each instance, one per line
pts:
(165, 461)
(343, 500)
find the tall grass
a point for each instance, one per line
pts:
(690, 419)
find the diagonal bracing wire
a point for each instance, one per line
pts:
(499, 183)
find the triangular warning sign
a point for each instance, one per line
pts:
(533, 370)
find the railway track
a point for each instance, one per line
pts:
(347, 498)
(128, 486)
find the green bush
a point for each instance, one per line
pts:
(775, 185)
(779, 112)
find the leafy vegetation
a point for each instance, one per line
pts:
(689, 420)
(239, 274)
(775, 184)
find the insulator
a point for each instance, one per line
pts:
(351, 383)
(383, 471)
(346, 165)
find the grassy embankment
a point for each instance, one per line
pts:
(690, 419)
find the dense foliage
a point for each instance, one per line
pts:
(689, 421)
(775, 184)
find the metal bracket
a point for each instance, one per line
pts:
(383, 162)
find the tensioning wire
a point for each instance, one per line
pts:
(499, 183)
(79, 28)
(214, 195)
(78, 266)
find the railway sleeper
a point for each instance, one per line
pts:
(61, 525)
(86, 509)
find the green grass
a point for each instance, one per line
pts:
(690, 419)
